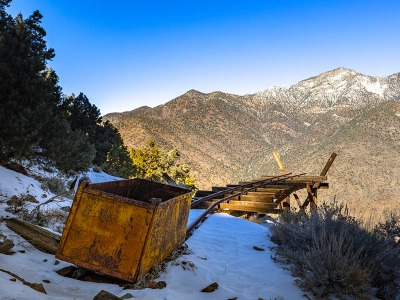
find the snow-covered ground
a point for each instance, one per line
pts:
(221, 250)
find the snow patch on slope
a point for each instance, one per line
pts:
(373, 86)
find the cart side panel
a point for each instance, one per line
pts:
(106, 234)
(167, 232)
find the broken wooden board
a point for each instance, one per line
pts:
(40, 238)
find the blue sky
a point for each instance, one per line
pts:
(124, 54)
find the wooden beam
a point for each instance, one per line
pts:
(290, 190)
(325, 169)
(328, 164)
(40, 238)
(254, 198)
(297, 200)
(312, 198)
(278, 160)
(262, 209)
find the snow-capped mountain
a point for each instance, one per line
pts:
(338, 87)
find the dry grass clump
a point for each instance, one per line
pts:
(331, 252)
(55, 185)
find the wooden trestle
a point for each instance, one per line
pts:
(271, 197)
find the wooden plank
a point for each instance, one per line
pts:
(250, 208)
(42, 239)
(254, 198)
(257, 198)
(251, 203)
(268, 193)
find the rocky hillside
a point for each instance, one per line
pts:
(226, 138)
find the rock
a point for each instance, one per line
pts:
(104, 295)
(79, 273)
(6, 246)
(127, 296)
(67, 271)
(211, 288)
(31, 198)
(14, 201)
(157, 284)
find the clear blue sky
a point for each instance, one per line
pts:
(124, 54)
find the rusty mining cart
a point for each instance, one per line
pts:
(124, 228)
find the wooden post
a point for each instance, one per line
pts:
(278, 160)
(312, 198)
(298, 201)
(328, 164)
(285, 202)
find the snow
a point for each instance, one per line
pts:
(13, 183)
(374, 87)
(221, 250)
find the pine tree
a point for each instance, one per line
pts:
(110, 152)
(29, 91)
(34, 124)
(151, 162)
(117, 161)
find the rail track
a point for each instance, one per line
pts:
(235, 192)
(263, 195)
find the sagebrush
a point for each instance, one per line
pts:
(331, 252)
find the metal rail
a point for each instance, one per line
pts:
(217, 194)
(253, 186)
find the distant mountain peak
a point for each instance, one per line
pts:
(340, 86)
(193, 92)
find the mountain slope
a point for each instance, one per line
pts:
(226, 138)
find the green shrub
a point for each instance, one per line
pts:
(330, 252)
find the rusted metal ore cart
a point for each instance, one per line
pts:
(124, 228)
